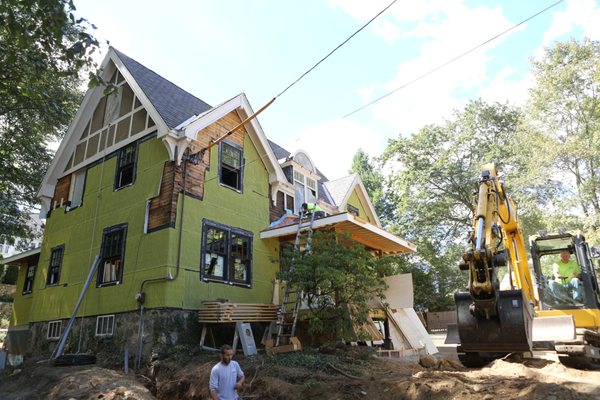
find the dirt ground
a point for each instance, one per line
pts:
(307, 375)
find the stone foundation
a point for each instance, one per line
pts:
(162, 328)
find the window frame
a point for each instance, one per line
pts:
(304, 186)
(100, 282)
(240, 175)
(29, 279)
(228, 263)
(55, 328)
(103, 324)
(74, 175)
(56, 266)
(121, 166)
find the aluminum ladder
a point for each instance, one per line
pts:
(287, 318)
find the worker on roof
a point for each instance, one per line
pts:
(312, 208)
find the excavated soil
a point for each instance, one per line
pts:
(329, 377)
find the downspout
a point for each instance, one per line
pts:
(141, 296)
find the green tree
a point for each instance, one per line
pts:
(565, 106)
(338, 277)
(437, 171)
(374, 181)
(44, 50)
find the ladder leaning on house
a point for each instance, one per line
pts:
(292, 298)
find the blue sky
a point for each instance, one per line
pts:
(217, 49)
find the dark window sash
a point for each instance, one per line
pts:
(111, 267)
(233, 258)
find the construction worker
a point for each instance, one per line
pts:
(565, 268)
(312, 208)
(226, 378)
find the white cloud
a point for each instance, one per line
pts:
(581, 13)
(508, 86)
(333, 144)
(433, 98)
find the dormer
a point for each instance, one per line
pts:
(302, 173)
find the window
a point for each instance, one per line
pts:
(230, 166)
(226, 254)
(352, 210)
(29, 275)
(54, 329)
(105, 325)
(289, 202)
(306, 190)
(126, 161)
(76, 190)
(55, 263)
(113, 252)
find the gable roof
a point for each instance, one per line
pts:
(338, 189)
(174, 104)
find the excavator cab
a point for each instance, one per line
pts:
(565, 272)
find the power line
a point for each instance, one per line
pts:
(334, 50)
(452, 59)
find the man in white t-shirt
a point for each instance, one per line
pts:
(226, 377)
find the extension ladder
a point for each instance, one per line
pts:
(288, 317)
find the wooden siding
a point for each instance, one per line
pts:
(163, 208)
(61, 191)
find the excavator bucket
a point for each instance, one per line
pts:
(508, 331)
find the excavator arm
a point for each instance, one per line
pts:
(492, 321)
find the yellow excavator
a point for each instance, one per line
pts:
(524, 312)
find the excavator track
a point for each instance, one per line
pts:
(583, 353)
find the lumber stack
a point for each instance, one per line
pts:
(217, 312)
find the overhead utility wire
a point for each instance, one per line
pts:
(251, 117)
(334, 50)
(452, 60)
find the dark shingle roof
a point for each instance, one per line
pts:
(174, 104)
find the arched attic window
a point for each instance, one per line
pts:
(305, 184)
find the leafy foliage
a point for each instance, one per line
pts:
(374, 182)
(437, 169)
(338, 277)
(565, 105)
(44, 50)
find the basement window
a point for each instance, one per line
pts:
(56, 257)
(113, 255)
(230, 166)
(226, 254)
(126, 163)
(105, 325)
(54, 328)
(29, 275)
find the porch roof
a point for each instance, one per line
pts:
(23, 258)
(360, 230)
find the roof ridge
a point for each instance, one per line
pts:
(121, 54)
(173, 103)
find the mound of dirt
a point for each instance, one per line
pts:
(41, 381)
(309, 375)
